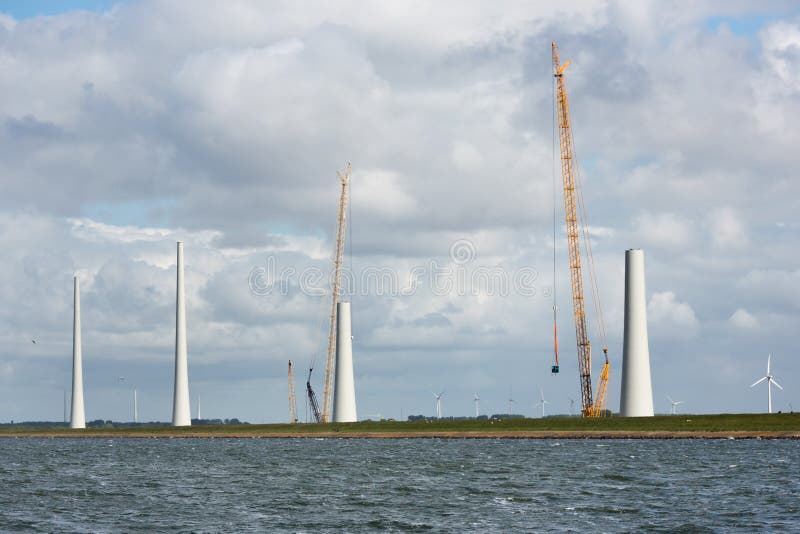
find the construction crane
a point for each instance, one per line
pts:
(292, 400)
(576, 220)
(312, 399)
(330, 364)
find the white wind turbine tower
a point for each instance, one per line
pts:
(476, 399)
(542, 402)
(674, 409)
(438, 398)
(770, 380)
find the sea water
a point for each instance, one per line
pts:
(409, 485)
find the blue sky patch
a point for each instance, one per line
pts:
(26, 9)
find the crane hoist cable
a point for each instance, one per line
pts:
(555, 367)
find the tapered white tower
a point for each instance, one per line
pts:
(77, 415)
(135, 407)
(344, 394)
(636, 399)
(181, 415)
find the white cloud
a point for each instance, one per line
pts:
(728, 231)
(7, 23)
(666, 230)
(781, 49)
(743, 319)
(381, 191)
(90, 230)
(664, 309)
(466, 157)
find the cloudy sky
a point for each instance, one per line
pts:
(127, 126)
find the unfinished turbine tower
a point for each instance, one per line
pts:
(181, 415)
(77, 415)
(636, 399)
(344, 397)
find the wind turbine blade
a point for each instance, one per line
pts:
(778, 385)
(769, 356)
(670, 398)
(679, 402)
(758, 382)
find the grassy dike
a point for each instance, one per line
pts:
(660, 427)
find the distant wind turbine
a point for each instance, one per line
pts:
(770, 380)
(674, 409)
(438, 398)
(542, 402)
(571, 406)
(476, 399)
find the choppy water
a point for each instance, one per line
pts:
(269, 485)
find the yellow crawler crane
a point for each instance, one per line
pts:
(576, 220)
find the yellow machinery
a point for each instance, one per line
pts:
(576, 219)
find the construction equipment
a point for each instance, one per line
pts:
(292, 400)
(312, 399)
(576, 220)
(330, 364)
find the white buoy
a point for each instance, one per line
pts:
(181, 415)
(77, 417)
(344, 394)
(636, 399)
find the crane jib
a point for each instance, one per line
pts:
(572, 205)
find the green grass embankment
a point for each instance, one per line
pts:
(736, 425)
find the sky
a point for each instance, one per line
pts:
(125, 127)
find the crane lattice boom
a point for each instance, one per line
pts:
(572, 205)
(330, 364)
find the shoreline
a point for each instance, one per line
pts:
(712, 426)
(507, 434)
